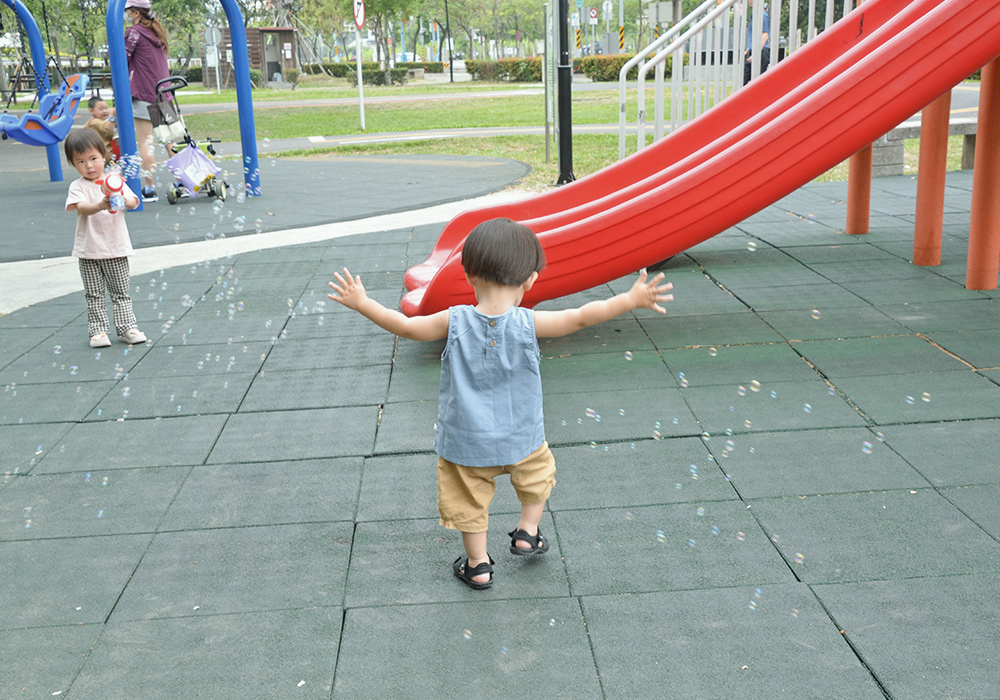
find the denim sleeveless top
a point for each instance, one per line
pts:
(490, 401)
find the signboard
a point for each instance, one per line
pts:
(212, 36)
(359, 14)
(593, 15)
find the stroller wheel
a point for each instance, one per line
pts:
(222, 190)
(172, 194)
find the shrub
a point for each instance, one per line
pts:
(428, 66)
(397, 76)
(340, 70)
(607, 68)
(292, 77)
(256, 77)
(193, 74)
(514, 70)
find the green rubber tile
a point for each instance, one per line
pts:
(851, 249)
(979, 348)
(584, 418)
(336, 351)
(719, 647)
(694, 295)
(242, 328)
(408, 562)
(342, 386)
(809, 462)
(102, 502)
(741, 258)
(161, 442)
(50, 403)
(173, 396)
(14, 342)
(664, 548)
(415, 475)
(894, 291)
(406, 427)
(279, 654)
(272, 493)
(948, 454)
(876, 535)
(776, 406)
(73, 581)
(786, 274)
(43, 662)
(899, 398)
(979, 504)
(809, 227)
(415, 378)
(622, 334)
(924, 638)
(733, 365)
(374, 275)
(831, 323)
(513, 648)
(243, 301)
(285, 435)
(71, 363)
(709, 330)
(879, 268)
(233, 570)
(863, 357)
(56, 315)
(338, 321)
(604, 372)
(23, 446)
(165, 360)
(655, 472)
(809, 296)
(246, 268)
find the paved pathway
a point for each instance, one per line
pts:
(786, 487)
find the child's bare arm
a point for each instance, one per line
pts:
(351, 293)
(643, 295)
(88, 209)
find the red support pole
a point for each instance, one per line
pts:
(984, 227)
(859, 191)
(934, 121)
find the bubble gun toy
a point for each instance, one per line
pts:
(112, 186)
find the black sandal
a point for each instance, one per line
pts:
(539, 545)
(465, 573)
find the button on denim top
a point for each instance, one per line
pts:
(490, 401)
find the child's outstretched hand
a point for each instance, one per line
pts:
(646, 294)
(350, 292)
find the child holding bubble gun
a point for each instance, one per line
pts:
(102, 243)
(490, 399)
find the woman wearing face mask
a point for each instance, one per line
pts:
(146, 48)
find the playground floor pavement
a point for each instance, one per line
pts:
(786, 487)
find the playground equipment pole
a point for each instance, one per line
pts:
(115, 26)
(564, 84)
(244, 97)
(859, 191)
(39, 65)
(933, 167)
(984, 226)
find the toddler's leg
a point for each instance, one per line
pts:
(475, 549)
(94, 291)
(116, 272)
(533, 479)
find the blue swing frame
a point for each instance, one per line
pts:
(56, 112)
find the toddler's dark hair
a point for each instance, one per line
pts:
(502, 251)
(80, 141)
(92, 102)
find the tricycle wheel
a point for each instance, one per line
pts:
(222, 191)
(172, 194)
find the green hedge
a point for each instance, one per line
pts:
(342, 69)
(606, 68)
(397, 76)
(514, 70)
(193, 74)
(428, 66)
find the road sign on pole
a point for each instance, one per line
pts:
(212, 38)
(359, 14)
(359, 23)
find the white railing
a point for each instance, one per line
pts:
(714, 38)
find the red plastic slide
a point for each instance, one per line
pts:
(879, 65)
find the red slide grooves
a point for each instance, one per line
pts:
(859, 79)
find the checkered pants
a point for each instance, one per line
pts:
(111, 275)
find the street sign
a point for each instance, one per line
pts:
(593, 15)
(359, 14)
(212, 36)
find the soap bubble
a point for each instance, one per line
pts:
(692, 543)
(192, 211)
(751, 246)
(755, 386)
(713, 352)
(57, 349)
(660, 536)
(74, 370)
(925, 397)
(799, 558)
(807, 408)
(910, 400)
(467, 634)
(816, 314)
(866, 447)
(742, 391)
(628, 356)
(740, 536)
(700, 512)
(126, 392)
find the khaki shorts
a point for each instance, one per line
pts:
(464, 493)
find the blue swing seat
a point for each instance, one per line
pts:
(55, 115)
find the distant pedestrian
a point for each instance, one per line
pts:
(765, 44)
(102, 243)
(490, 399)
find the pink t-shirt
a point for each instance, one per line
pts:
(103, 235)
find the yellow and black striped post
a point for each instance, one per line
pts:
(578, 44)
(621, 39)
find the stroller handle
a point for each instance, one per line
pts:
(174, 82)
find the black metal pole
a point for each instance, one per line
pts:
(564, 82)
(447, 30)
